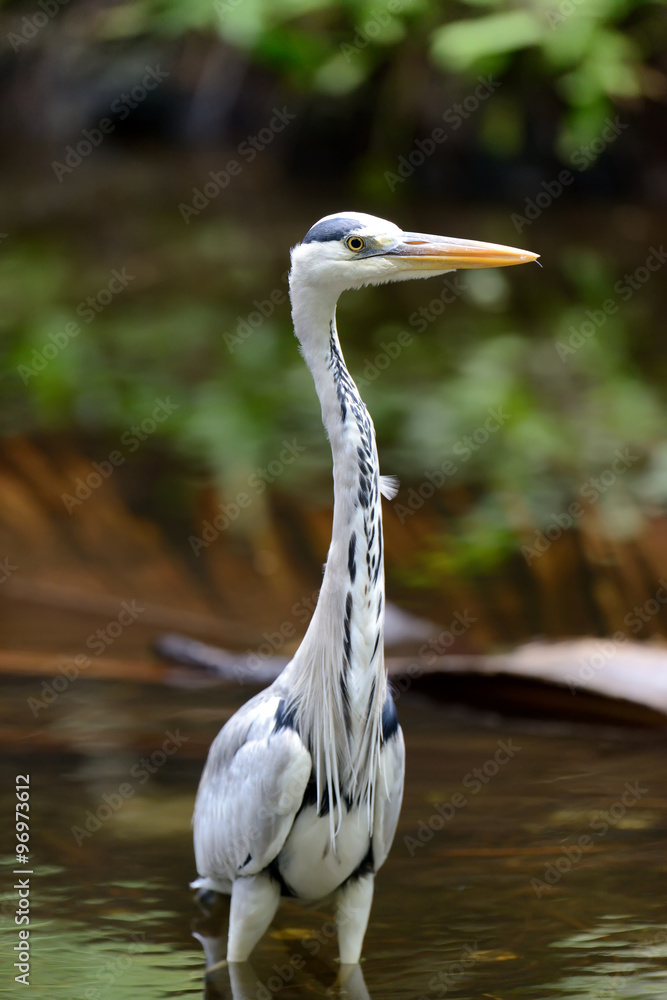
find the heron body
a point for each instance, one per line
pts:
(302, 788)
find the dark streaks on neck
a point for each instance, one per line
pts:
(351, 561)
(344, 385)
(364, 548)
(347, 642)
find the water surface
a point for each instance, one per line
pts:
(529, 860)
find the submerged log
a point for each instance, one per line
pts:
(627, 670)
(629, 674)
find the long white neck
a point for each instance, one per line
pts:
(338, 674)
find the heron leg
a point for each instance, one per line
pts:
(254, 903)
(350, 982)
(354, 907)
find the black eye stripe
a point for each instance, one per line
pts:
(330, 229)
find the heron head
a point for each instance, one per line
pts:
(351, 249)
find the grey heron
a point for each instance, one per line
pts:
(302, 788)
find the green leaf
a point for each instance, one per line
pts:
(462, 44)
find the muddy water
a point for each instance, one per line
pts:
(529, 863)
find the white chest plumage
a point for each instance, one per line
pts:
(309, 867)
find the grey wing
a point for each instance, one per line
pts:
(388, 796)
(250, 792)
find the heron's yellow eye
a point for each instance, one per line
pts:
(355, 243)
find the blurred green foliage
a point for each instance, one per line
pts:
(564, 66)
(591, 53)
(188, 327)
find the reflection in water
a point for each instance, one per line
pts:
(240, 981)
(625, 959)
(458, 916)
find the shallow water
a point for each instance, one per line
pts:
(485, 897)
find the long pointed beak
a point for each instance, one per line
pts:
(433, 253)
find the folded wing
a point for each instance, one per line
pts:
(388, 796)
(250, 792)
